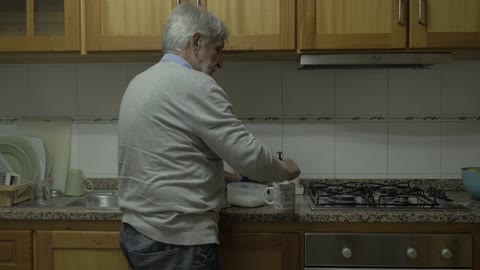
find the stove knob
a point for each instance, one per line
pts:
(411, 253)
(447, 253)
(346, 253)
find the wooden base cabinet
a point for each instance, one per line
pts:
(72, 250)
(259, 251)
(15, 250)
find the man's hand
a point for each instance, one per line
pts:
(292, 168)
(230, 177)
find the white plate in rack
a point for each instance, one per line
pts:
(17, 160)
(25, 144)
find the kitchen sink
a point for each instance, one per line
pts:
(95, 201)
(100, 199)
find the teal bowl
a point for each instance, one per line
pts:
(471, 180)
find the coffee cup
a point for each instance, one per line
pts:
(76, 184)
(283, 195)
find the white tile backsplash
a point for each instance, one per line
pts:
(361, 92)
(256, 89)
(415, 91)
(100, 89)
(461, 88)
(308, 92)
(414, 148)
(52, 89)
(361, 148)
(13, 89)
(269, 134)
(222, 77)
(133, 69)
(341, 149)
(97, 149)
(312, 146)
(8, 129)
(460, 147)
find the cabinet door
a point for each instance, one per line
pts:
(351, 24)
(259, 251)
(113, 25)
(16, 250)
(72, 250)
(255, 24)
(445, 23)
(39, 25)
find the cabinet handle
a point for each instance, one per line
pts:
(400, 12)
(420, 11)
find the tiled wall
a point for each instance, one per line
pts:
(343, 148)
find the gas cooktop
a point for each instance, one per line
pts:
(400, 195)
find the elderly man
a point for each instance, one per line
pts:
(176, 127)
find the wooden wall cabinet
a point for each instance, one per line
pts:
(444, 23)
(126, 25)
(259, 251)
(272, 25)
(16, 250)
(79, 250)
(351, 24)
(39, 25)
(113, 25)
(256, 24)
(384, 24)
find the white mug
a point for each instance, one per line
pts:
(283, 195)
(75, 184)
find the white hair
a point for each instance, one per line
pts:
(187, 19)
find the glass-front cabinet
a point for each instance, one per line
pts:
(39, 25)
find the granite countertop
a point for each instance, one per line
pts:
(266, 213)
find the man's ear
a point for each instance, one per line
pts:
(196, 40)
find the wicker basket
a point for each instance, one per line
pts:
(10, 195)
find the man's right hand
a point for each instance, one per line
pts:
(292, 168)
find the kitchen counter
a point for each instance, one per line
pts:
(266, 213)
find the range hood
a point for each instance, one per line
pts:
(373, 60)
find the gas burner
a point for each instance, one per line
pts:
(335, 189)
(402, 199)
(401, 195)
(342, 199)
(388, 191)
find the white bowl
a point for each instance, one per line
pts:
(246, 194)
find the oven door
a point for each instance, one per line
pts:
(387, 251)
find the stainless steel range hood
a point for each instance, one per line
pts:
(373, 60)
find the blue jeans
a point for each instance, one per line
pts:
(144, 253)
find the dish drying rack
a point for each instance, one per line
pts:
(15, 194)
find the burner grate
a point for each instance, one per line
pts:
(354, 194)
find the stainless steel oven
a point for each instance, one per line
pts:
(387, 250)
